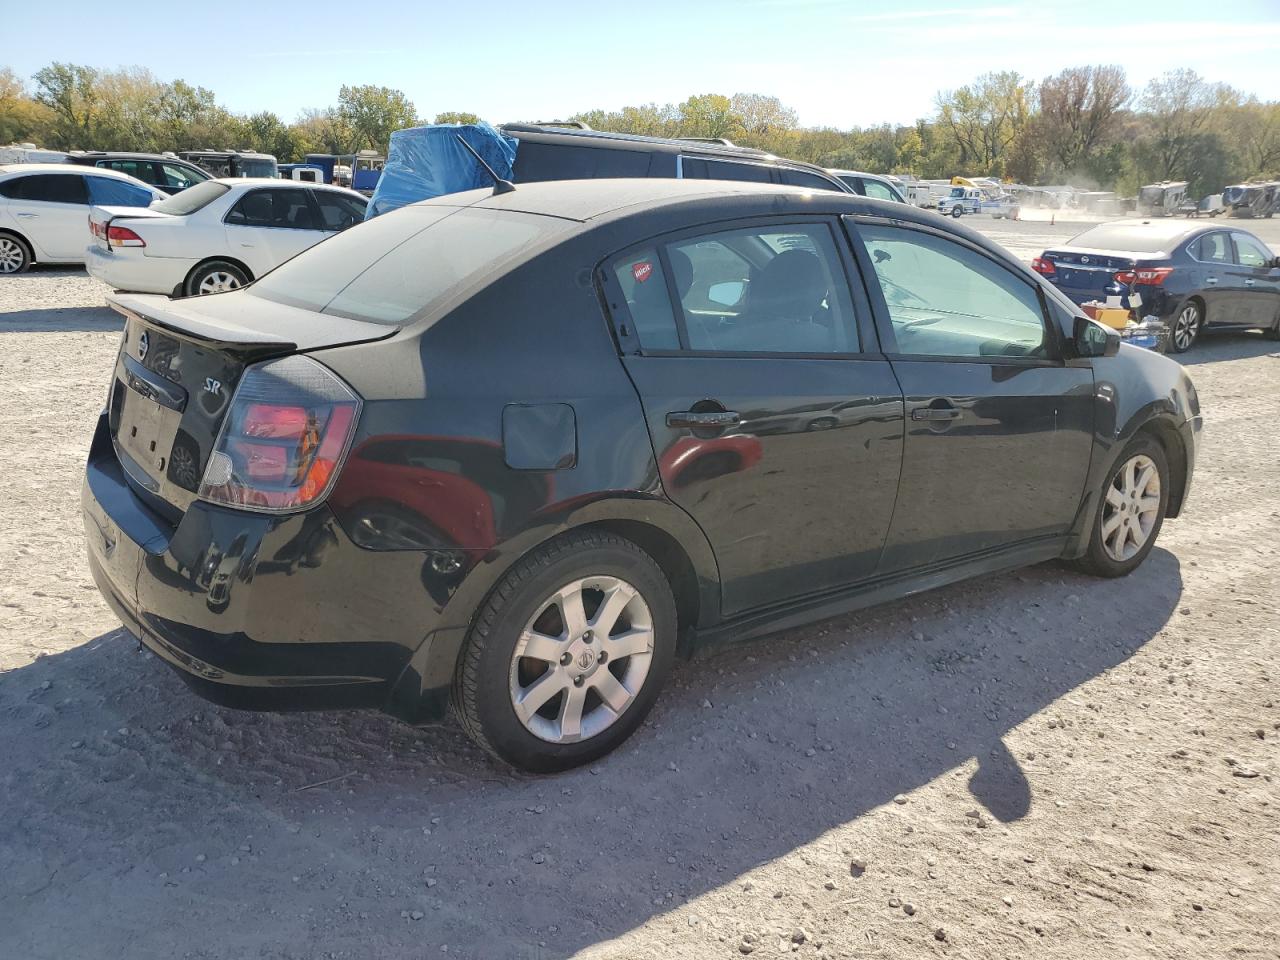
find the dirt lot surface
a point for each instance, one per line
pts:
(1035, 765)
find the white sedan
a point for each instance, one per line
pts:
(215, 236)
(43, 208)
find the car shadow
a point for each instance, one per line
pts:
(308, 833)
(62, 320)
(1217, 345)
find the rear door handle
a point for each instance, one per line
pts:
(29, 216)
(1211, 281)
(704, 418)
(936, 413)
(1249, 282)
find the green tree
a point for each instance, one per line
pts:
(709, 115)
(455, 116)
(985, 118)
(22, 119)
(1080, 109)
(374, 113)
(70, 92)
(1180, 106)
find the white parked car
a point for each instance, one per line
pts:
(215, 236)
(43, 208)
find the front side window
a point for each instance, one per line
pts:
(338, 211)
(285, 209)
(176, 177)
(49, 188)
(881, 191)
(697, 168)
(110, 192)
(1249, 252)
(946, 300)
(764, 289)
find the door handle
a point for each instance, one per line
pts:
(935, 413)
(703, 418)
(1211, 281)
(1249, 282)
(243, 244)
(29, 216)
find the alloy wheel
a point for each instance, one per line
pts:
(1186, 327)
(581, 659)
(12, 257)
(217, 282)
(1131, 509)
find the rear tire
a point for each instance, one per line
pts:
(547, 682)
(216, 276)
(15, 255)
(1186, 327)
(1131, 509)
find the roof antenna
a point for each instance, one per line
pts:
(499, 185)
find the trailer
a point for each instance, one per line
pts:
(1256, 200)
(232, 163)
(1161, 199)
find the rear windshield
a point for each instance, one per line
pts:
(1137, 238)
(398, 264)
(193, 199)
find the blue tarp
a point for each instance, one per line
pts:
(425, 162)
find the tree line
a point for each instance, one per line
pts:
(1085, 125)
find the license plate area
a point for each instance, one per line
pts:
(140, 432)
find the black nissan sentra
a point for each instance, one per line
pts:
(511, 453)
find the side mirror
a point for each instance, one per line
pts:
(1092, 339)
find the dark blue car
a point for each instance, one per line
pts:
(1186, 276)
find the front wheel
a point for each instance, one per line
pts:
(568, 653)
(1131, 512)
(1186, 327)
(957, 211)
(217, 276)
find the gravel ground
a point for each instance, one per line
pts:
(1039, 765)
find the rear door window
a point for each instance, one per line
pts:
(50, 188)
(143, 170)
(701, 168)
(1212, 248)
(554, 161)
(283, 209)
(175, 177)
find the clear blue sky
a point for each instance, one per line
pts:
(836, 62)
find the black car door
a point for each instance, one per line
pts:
(1255, 281)
(1210, 265)
(776, 422)
(999, 430)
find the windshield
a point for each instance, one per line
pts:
(193, 199)
(395, 266)
(1133, 238)
(250, 167)
(957, 191)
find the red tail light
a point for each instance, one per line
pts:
(1153, 276)
(123, 237)
(1043, 265)
(283, 439)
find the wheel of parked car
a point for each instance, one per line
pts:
(216, 276)
(1186, 327)
(568, 653)
(1131, 510)
(956, 211)
(14, 255)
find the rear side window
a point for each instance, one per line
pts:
(553, 161)
(400, 264)
(1212, 248)
(766, 289)
(109, 192)
(48, 188)
(189, 201)
(946, 300)
(176, 177)
(699, 168)
(874, 188)
(286, 209)
(806, 179)
(143, 170)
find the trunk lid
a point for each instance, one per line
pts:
(1084, 275)
(177, 370)
(100, 218)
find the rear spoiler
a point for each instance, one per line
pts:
(251, 327)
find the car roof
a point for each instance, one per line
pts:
(1158, 228)
(856, 173)
(69, 168)
(281, 182)
(129, 155)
